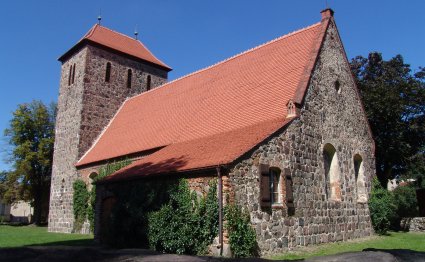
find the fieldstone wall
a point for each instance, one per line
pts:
(417, 224)
(66, 150)
(84, 109)
(329, 115)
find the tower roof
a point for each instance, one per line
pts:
(119, 42)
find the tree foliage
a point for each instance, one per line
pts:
(394, 100)
(31, 136)
(406, 203)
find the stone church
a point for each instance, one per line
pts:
(281, 126)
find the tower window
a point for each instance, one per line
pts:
(73, 74)
(108, 72)
(70, 75)
(332, 173)
(129, 74)
(148, 83)
(338, 87)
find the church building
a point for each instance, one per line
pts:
(281, 126)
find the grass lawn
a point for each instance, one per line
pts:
(19, 236)
(395, 240)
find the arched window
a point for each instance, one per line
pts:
(360, 179)
(108, 72)
(73, 74)
(332, 173)
(92, 179)
(148, 83)
(129, 74)
(70, 75)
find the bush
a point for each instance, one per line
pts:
(382, 208)
(185, 225)
(127, 225)
(406, 204)
(242, 237)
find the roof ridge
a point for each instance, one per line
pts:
(233, 57)
(107, 28)
(137, 41)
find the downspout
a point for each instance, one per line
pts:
(220, 210)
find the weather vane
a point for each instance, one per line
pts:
(135, 32)
(99, 17)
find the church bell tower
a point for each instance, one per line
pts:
(97, 75)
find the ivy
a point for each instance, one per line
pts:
(80, 203)
(242, 237)
(84, 201)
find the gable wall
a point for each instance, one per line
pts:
(325, 117)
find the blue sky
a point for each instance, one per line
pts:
(186, 35)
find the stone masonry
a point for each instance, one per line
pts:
(85, 107)
(329, 115)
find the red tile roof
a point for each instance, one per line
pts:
(119, 42)
(214, 115)
(210, 151)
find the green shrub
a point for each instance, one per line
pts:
(128, 223)
(80, 203)
(406, 204)
(185, 225)
(382, 208)
(242, 237)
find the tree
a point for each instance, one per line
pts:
(394, 100)
(31, 136)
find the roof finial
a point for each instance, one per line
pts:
(99, 17)
(135, 32)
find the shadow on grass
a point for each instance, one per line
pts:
(70, 243)
(401, 254)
